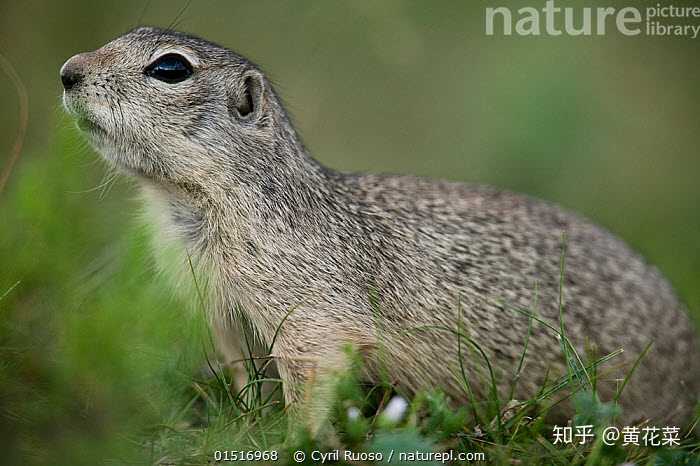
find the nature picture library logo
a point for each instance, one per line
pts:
(554, 20)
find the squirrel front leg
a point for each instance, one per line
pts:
(310, 384)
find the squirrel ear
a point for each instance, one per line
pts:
(247, 102)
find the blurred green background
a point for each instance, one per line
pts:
(95, 352)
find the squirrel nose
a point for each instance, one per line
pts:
(72, 72)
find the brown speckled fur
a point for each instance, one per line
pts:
(370, 259)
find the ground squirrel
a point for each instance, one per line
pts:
(371, 260)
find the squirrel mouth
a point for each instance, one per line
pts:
(89, 126)
(86, 124)
(82, 117)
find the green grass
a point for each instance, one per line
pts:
(100, 364)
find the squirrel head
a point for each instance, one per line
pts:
(174, 108)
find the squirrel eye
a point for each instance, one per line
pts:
(170, 68)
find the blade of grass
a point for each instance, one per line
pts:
(573, 360)
(463, 372)
(632, 370)
(521, 362)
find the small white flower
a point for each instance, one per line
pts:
(395, 409)
(353, 413)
